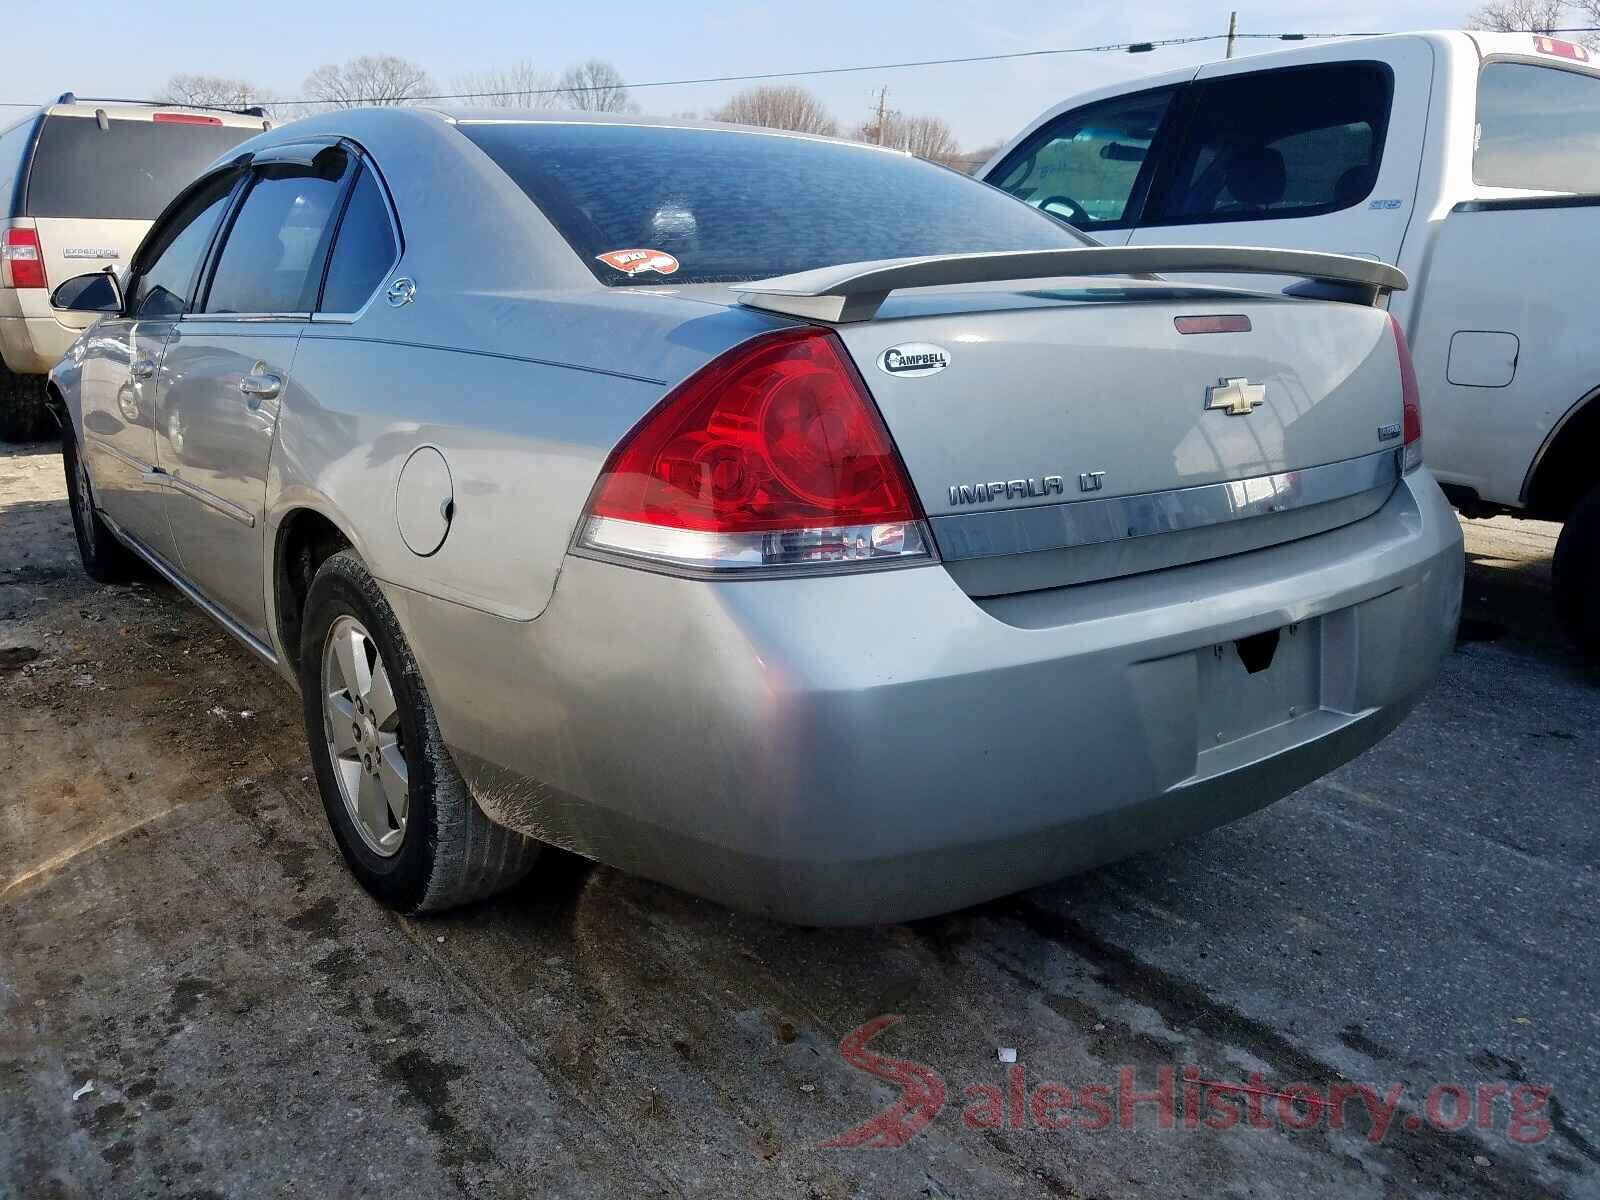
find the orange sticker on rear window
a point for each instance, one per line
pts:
(638, 262)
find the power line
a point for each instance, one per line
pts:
(1107, 48)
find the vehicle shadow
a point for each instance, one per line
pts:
(1508, 596)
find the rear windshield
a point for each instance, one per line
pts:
(728, 206)
(1538, 127)
(129, 171)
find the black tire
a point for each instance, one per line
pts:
(449, 852)
(1575, 572)
(24, 416)
(104, 558)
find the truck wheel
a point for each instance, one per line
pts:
(23, 415)
(406, 823)
(105, 559)
(1576, 574)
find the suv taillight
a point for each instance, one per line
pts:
(1410, 400)
(21, 264)
(770, 456)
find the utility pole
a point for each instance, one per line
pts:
(1233, 31)
(883, 99)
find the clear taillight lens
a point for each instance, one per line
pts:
(1410, 400)
(21, 263)
(770, 456)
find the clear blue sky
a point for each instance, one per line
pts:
(131, 47)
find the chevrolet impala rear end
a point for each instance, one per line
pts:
(825, 533)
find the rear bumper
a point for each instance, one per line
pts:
(32, 345)
(876, 747)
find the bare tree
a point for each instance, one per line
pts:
(779, 108)
(926, 137)
(369, 79)
(972, 160)
(595, 86)
(520, 85)
(1588, 13)
(212, 91)
(1536, 16)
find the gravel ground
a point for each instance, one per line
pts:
(196, 1000)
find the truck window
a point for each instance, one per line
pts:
(1086, 165)
(1292, 143)
(130, 170)
(1538, 127)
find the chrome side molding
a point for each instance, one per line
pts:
(1089, 522)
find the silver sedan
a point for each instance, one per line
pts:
(789, 520)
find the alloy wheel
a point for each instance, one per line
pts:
(362, 723)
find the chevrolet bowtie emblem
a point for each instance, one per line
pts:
(1236, 397)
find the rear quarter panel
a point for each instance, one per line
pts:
(523, 440)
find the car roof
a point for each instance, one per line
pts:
(140, 110)
(543, 116)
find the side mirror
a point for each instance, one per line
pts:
(96, 293)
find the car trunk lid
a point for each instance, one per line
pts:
(1075, 433)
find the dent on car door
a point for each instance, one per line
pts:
(1315, 157)
(121, 376)
(1092, 166)
(227, 365)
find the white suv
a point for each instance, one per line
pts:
(80, 183)
(1466, 159)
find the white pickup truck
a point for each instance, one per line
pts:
(1469, 160)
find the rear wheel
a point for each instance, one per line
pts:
(404, 819)
(105, 559)
(1576, 574)
(24, 416)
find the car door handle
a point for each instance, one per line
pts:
(142, 368)
(261, 386)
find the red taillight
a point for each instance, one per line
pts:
(1410, 399)
(771, 455)
(21, 259)
(185, 119)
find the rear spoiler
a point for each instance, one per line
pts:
(854, 291)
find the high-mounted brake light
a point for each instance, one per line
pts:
(1410, 400)
(21, 263)
(1561, 49)
(771, 455)
(184, 119)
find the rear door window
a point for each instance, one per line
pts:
(1292, 143)
(364, 250)
(128, 171)
(1539, 128)
(718, 206)
(170, 259)
(272, 254)
(1089, 166)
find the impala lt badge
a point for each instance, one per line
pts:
(1236, 397)
(1006, 489)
